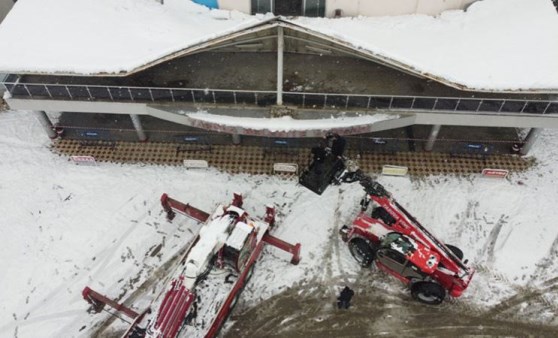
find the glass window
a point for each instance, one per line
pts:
(396, 256)
(288, 7)
(390, 238)
(398, 242)
(315, 8)
(262, 6)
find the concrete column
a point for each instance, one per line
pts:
(46, 123)
(280, 49)
(236, 139)
(139, 128)
(530, 140)
(432, 138)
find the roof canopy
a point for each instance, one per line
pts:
(496, 45)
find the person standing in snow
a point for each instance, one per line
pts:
(344, 299)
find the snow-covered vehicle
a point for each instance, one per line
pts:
(385, 233)
(196, 302)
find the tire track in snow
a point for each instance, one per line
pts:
(108, 254)
(528, 295)
(159, 280)
(463, 220)
(33, 320)
(74, 279)
(546, 262)
(488, 250)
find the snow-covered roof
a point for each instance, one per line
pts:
(107, 36)
(495, 45)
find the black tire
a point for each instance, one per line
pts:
(456, 251)
(428, 292)
(363, 251)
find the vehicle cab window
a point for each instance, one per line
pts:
(398, 242)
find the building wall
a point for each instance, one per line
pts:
(243, 6)
(357, 7)
(435, 7)
(391, 7)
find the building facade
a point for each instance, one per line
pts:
(272, 67)
(333, 8)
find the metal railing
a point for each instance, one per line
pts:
(266, 98)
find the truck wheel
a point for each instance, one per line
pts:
(362, 251)
(456, 251)
(428, 292)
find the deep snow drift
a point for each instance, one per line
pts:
(65, 226)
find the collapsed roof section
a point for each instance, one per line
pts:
(482, 49)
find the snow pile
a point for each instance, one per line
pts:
(287, 123)
(65, 226)
(106, 36)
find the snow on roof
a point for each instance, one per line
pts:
(494, 45)
(106, 36)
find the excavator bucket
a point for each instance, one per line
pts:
(321, 174)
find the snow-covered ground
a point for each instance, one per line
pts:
(65, 226)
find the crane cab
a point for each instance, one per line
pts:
(405, 258)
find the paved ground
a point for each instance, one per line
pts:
(310, 312)
(260, 160)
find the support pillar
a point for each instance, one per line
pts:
(139, 128)
(280, 49)
(46, 123)
(236, 139)
(530, 140)
(432, 137)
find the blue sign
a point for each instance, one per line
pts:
(91, 134)
(208, 3)
(474, 146)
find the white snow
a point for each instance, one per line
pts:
(287, 123)
(107, 36)
(494, 45)
(238, 236)
(212, 236)
(65, 226)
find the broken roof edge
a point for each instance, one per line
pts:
(289, 127)
(280, 21)
(196, 47)
(409, 69)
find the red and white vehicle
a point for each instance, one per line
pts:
(385, 233)
(213, 272)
